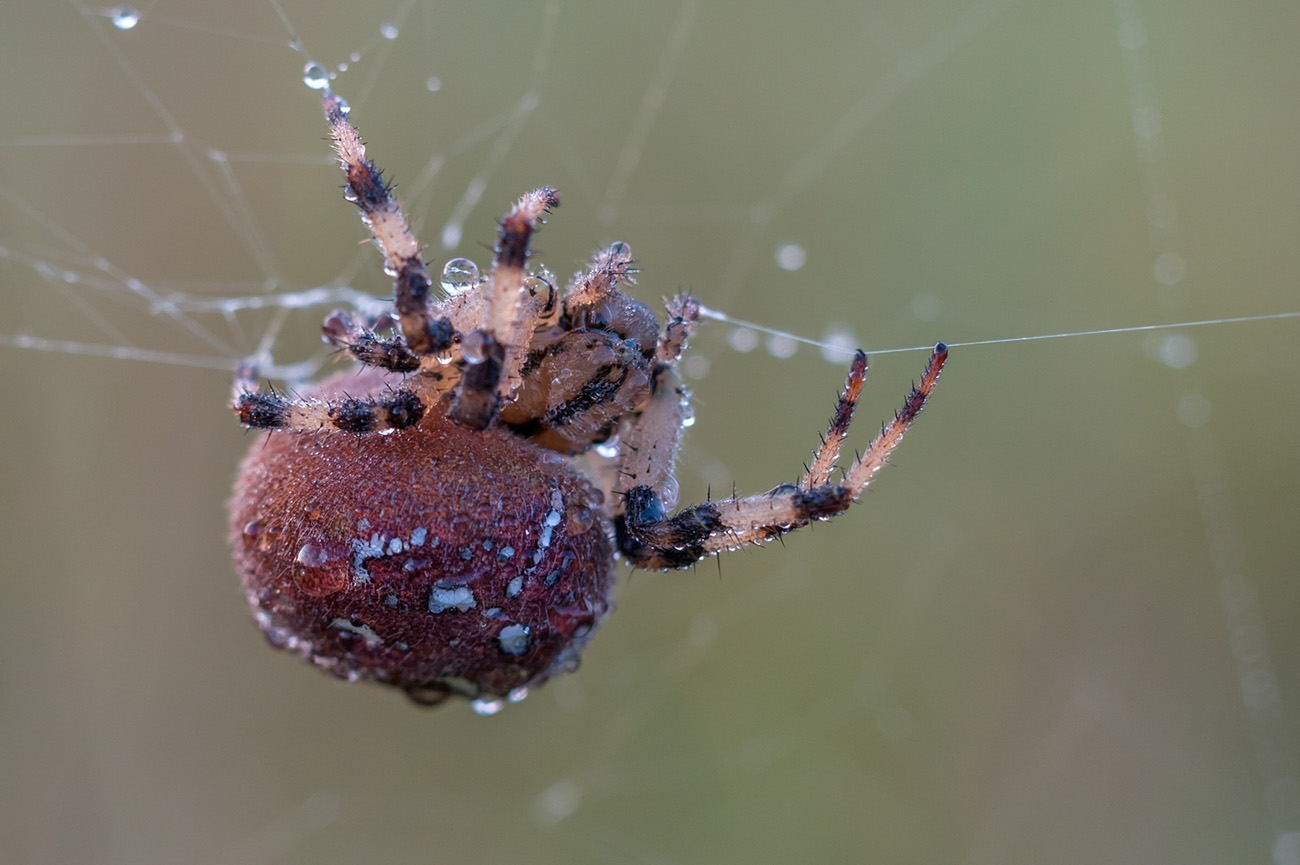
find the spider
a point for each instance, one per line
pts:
(426, 522)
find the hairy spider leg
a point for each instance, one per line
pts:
(648, 453)
(423, 336)
(606, 269)
(495, 352)
(382, 215)
(824, 459)
(394, 408)
(864, 468)
(652, 540)
(397, 408)
(683, 313)
(368, 347)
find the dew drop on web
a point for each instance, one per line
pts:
(781, 346)
(791, 256)
(315, 76)
(124, 17)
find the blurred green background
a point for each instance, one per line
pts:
(1061, 628)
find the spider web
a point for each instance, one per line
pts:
(1061, 628)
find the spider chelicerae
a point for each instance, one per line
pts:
(429, 522)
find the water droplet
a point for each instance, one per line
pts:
(557, 803)
(433, 84)
(513, 639)
(518, 695)
(267, 536)
(317, 572)
(791, 256)
(343, 67)
(580, 519)
(780, 346)
(312, 556)
(315, 76)
(389, 31)
(695, 366)
(1178, 351)
(487, 707)
(671, 493)
(124, 17)
(839, 344)
(459, 275)
(537, 287)
(1169, 268)
(688, 415)
(620, 250)
(472, 346)
(743, 340)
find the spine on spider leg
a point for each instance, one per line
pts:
(862, 471)
(387, 224)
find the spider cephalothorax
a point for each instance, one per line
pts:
(423, 523)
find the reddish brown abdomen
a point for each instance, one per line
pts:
(434, 559)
